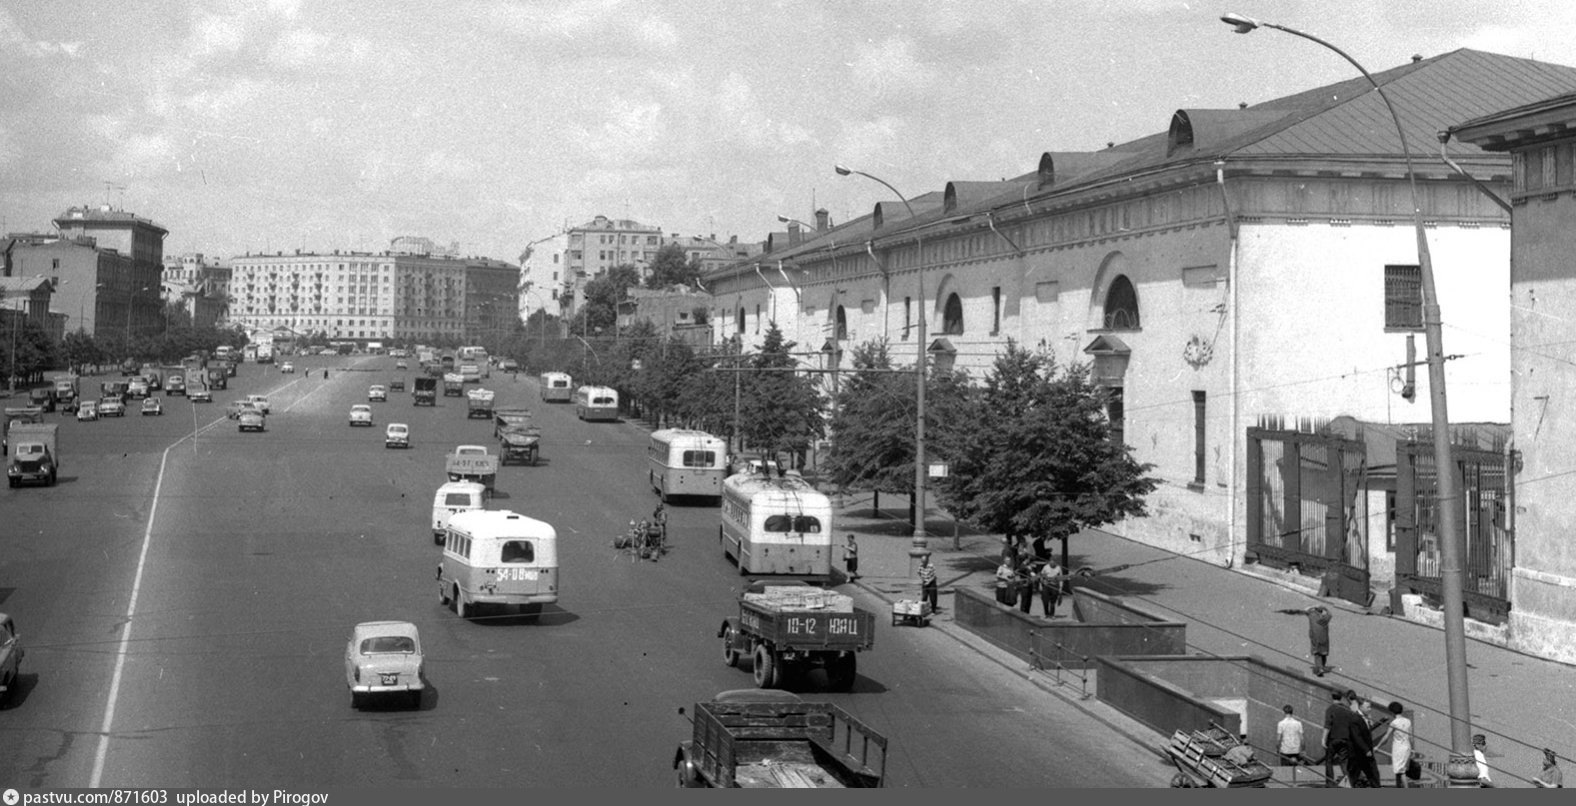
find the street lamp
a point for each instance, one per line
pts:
(1462, 769)
(920, 544)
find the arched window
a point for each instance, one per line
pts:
(738, 321)
(842, 324)
(1121, 305)
(952, 316)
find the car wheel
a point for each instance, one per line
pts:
(765, 671)
(462, 609)
(730, 653)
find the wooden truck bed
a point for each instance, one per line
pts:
(815, 745)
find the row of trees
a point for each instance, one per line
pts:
(28, 352)
(1029, 447)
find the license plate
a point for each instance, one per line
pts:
(389, 678)
(517, 574)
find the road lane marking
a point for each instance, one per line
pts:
(102, 754)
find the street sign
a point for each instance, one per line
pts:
(938, 470)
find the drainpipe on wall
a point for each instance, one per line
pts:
(1236, 435)
(886, 289)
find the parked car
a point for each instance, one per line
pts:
(198, 394)
(384, 657)
(111, 407)
(10, 654)
(397, 435)
(361, 414)
(378, 393)
(287, 367)
(259, 402)
(87, 410)
(251, 420)
(151, 405)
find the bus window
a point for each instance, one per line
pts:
(457, 500)
(517, 551)
(700, 458)
(804, 524)
(779, 523)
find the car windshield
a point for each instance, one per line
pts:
(457, 500)
(388, 643)
(26, 451)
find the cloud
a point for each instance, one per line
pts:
(301, 48)
(741, 116)
(15, 40)
(891, 67)
(631, 131)
(869, 141)
(10, 152)
(585, 28)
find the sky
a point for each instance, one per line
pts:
(266, 125)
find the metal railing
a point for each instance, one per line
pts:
(1055, 661)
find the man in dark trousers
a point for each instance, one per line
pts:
(1337, 730)
(927, 582)
(1318, 635)
(1362, 770)
(851, 557)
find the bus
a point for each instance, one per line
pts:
(557, 387)
(776, 525)
(686, 462)
(497, 557)
(475, 355)
(596, 403)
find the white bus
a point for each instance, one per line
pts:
(776, 525)
(474, 355)
(596, 403)
(557, 387)
(498, 557)
(685, 462)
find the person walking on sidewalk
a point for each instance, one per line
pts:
(1398, 734)
(1479, 748)
(1362, 770)
(927, 582)
(851, 557)
(1050, 583)
(1288, 738)
(1337, 730)
(1318, 635)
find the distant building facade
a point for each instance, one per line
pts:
(599, 245)
(104, 265)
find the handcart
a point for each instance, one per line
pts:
(911, 612)
(1204, 759)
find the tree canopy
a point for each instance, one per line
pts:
(670, 267)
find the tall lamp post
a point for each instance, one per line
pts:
(920, 544)
(1462, 769)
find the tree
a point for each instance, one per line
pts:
(780, 410)
(1040, 461)
(79, 349)
(670, 267)
(28, 351)
(602, 296)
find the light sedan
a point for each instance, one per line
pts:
(251, 420)
(152, 406)
(361, 414)
(111, 407)
(378, 393)
(397, 435)
(384, 657)
(287, 367)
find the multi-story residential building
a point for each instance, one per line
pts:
(104, 266)
(542, 270)
(189, 280)
(599, 245)
(366, 296)
(1245, 284)
(710, 253)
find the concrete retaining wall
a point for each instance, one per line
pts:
(1101, 626)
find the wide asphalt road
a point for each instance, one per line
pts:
(243, 560)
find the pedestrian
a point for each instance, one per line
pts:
(1318, 635)
(1361, 767)
(1006, 578)
(1050, 583)
(1042, 551)
(851, 557)
(1288, 738)
(1337, 727)
(1479, 749)
(1024, 585)
(1398, 734)
(927, 582)
(1550, 777)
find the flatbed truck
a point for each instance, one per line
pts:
(779, 743)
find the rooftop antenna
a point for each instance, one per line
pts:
(108, 186)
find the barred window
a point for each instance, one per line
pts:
(1403, 298)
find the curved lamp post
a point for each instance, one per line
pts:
(920, 544)
(1462, 769)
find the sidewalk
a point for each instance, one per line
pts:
(1520, 702)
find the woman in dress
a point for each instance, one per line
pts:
(1398, 734)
